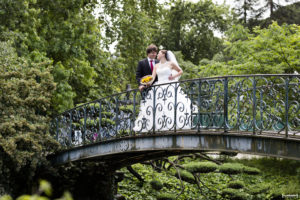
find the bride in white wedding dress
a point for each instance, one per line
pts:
(167, 102)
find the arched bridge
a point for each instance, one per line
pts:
(256, 114)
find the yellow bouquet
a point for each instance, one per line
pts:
(147, 80)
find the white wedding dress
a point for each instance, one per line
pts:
(162, 103)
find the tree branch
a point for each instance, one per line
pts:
(134, 173)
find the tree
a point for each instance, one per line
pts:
(289, 14)
(189, 27)
(246, 9)
(175, 25)
(272, 50)
(68, 34)
(133, 25)
(26, 90)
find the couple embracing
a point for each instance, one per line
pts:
(149, 66)
(164, 106)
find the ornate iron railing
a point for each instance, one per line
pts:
(254, 103)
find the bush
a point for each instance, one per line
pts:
(251, 170)
(259, 188)
(156, 185)
(186, 176)
(166, 196)
(200, 167)
(231, 168)
(236, 185)
(298, 174)
(234, 194)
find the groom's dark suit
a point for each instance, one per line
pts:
(144, 69)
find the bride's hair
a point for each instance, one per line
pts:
(165, 53)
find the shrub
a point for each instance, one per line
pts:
(201, 167)
(236, 184)
(298, 174)
(251, 170)
(234, 194)
(231, 168)
(156, 185)
(259, 188)
(186, 176)
(166, 196)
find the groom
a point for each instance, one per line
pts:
(146, 66)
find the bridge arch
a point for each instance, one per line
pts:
(257, 114)
(125, 151)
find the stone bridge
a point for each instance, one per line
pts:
(253, 114)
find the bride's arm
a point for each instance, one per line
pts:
(154, 72)
(179, 70)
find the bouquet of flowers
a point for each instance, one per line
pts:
(147, 80)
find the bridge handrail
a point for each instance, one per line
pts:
(183, 81)
(258, 103)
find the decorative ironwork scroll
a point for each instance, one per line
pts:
(252, 103)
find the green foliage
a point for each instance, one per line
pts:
(236, 184)
(298, 175)
(175, 25)
(234, 194)
(188, 27)
(251, 170)
(281, 167)
(26, 91)
(270, 50)
(166, 196)
(289, 14)
(131, 188)
(189, 68)
(91, 122)
(156, 184)
(68, 34)
(132, 24)
(124, 132)
(231, 168)
(259, 188)
(200, 167)
(185, 176)
(45, 187)
(127, 108)
(268, 183)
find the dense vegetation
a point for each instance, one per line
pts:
(225, 178)
(55, 55)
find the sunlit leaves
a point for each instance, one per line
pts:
(265, 51)
(26, 90)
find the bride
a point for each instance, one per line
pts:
(165, 106)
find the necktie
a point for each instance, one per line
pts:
(151, 64)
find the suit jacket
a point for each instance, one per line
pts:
(144, 69)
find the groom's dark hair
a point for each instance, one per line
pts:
(151, 48)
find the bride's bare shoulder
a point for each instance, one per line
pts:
(172, 64)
